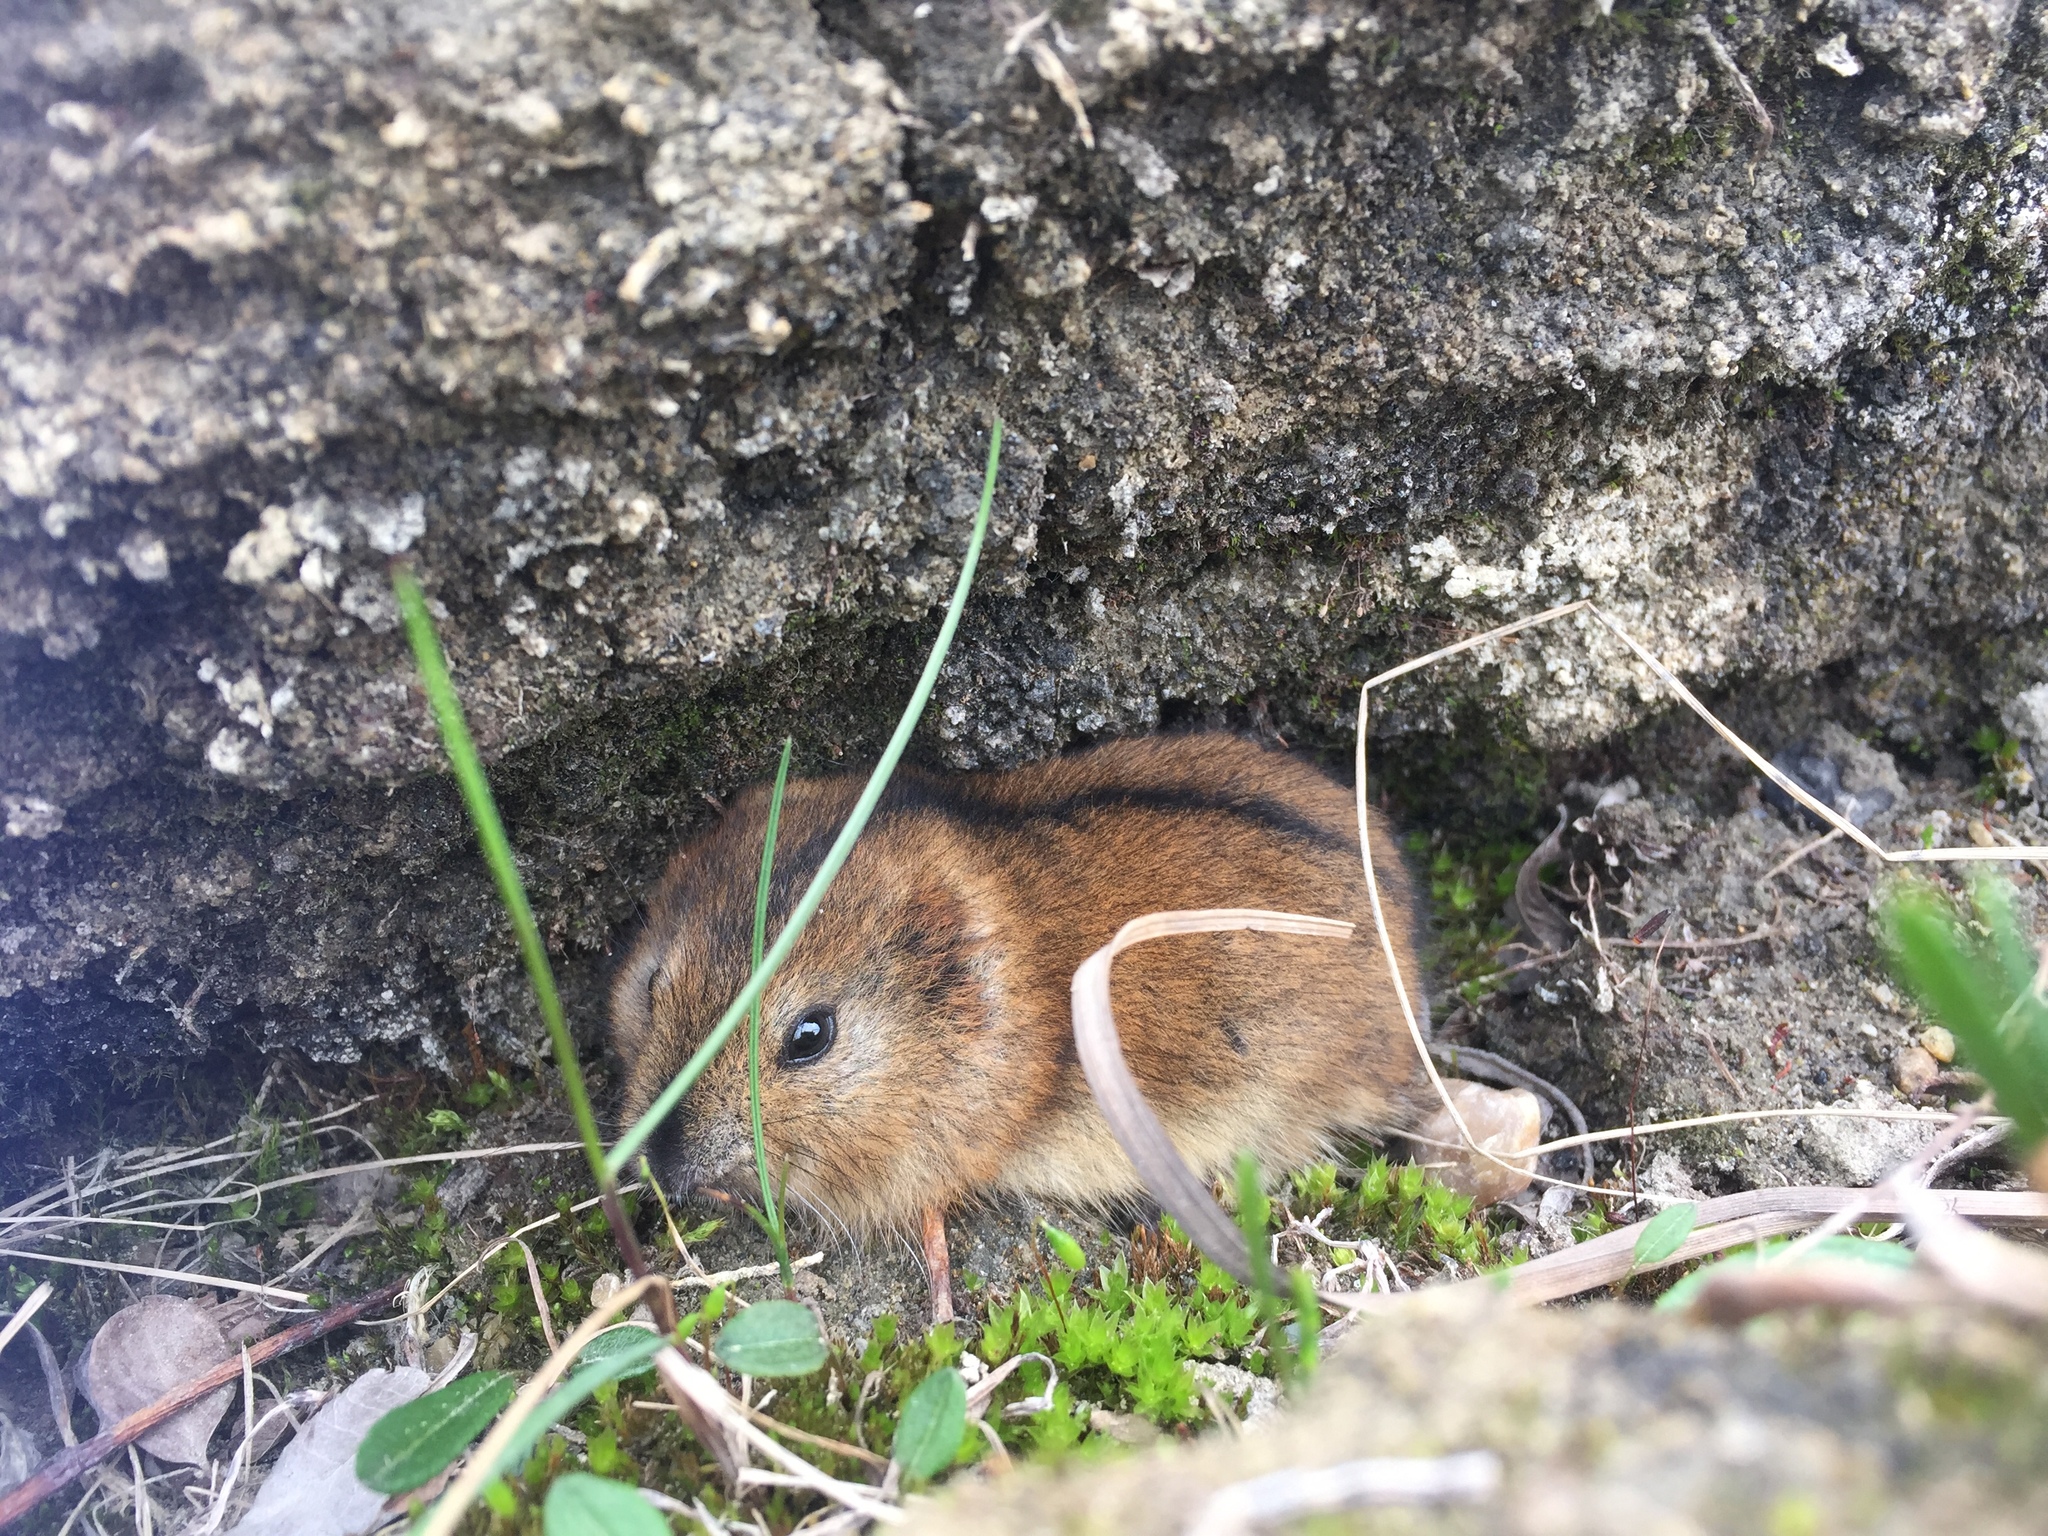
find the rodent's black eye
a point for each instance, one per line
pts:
(810, 1037)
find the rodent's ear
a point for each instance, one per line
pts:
(632, 1001)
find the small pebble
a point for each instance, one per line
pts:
(1124, 1428)
(1506, 1122)
(1914, 1070)
(1938, 1043)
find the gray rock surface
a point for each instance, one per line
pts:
(663, 339)
(1608, 1420)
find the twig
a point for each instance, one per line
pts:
(788, 1431)
(748, 1272)
(69, 1465)
(540, 1298)
(697, 1385)
(1750, 101)
(359, 1220)
(1797, 854)
(1729, 1220)
(1696, 944)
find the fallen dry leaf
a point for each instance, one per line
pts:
(144, 1351)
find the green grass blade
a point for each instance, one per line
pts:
(490, 834)
(1308, 1324)
(1251, 1220)
(1953, 979)
(772, 1220)
(628, 1145)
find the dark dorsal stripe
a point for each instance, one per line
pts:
(918, 793)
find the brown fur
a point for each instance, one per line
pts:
(947, 947)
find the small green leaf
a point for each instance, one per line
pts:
(1663, 1232)
(446, 1122)
(581, 1505)
(933, 1419)
(628, 1345)
(772, 1338)
(417, 1440)
(1064, 1248)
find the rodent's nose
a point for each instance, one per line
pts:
(688, 1161)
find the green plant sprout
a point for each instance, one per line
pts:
(497, 851)
(635, 1138)
(770, 1214)
(1293, 1352)
(1985, 983)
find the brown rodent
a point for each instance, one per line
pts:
(918, 1047)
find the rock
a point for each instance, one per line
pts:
(1849, 1150)
(1799, 1423)
(1938, 1043)
(1666, 1177)
(1259, 1396)
(459, 1191)
(2026, 716)
(1847, 775)
(672, 383)
(1124, 1428)
(1914, 1069)
(1505, 1122)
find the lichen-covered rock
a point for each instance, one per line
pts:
(663, 340)
(1607, 1420)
